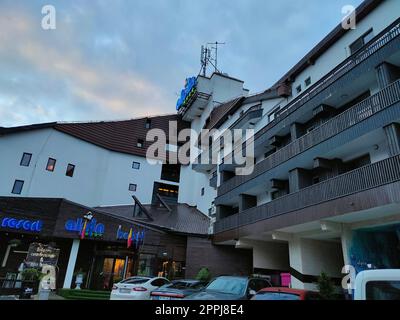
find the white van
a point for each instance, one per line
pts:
(378, 285)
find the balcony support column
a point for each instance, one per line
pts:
(247, 202)
(223, 212)
(392, 132)
(296, 130)
(386, 73)
(298, 179)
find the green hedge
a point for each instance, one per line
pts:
(84, 294)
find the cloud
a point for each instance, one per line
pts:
(123, 59)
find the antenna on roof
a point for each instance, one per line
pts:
(216, 44)
(207, 57)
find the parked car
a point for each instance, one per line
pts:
(178, 289)
(377, 285)
(230, 288)
(278, 293)
(136, 288)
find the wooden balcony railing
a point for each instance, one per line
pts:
(343, 121)
(367, 177)
(378, 42)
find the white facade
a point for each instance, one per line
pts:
(222, 89)
(101, 177)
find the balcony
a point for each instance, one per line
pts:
(358, 113)
(249, 118)
(371, 176)
(378, 42)
(387, 42)
(204, 166)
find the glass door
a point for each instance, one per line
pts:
(119, 268)
(107, 273)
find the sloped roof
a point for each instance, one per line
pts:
(221, 113)
(182, 218)
(119, 136)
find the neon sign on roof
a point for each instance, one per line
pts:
(187, 92)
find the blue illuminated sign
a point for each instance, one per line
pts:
(22, 224)
(93, 229)
(187, 92)
(135, 236)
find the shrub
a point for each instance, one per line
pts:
(204, 274)
(326, 287)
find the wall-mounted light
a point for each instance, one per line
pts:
(376, 147)
(88, 216)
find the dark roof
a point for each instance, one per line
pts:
(182, 218)
(361, 12)
(4, 130)
(221, 113)
(119, 136)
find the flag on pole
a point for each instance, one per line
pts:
(83, 232)
(129, 242)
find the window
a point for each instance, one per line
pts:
(307, 82)
(132, 187)
(171, 172)
(298, 89)
(148, 124)
(258, 284)
(202, 191)
(382, 290)
(26, 159)
(136, 165)
(17, 188)
(140, 143)
(171, 147)
(272, 115)
(360, 42)
(316, 180)
(159, 282)
(265, 295)
(70, 170)
(51, 164)
(135, 280)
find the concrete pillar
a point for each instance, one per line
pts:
(392, 132)
(308, 258)
(71, 264)
(386, 73)
(296, 130)
(298, 179)
(247, 202)
(271, 256)
(345, 238)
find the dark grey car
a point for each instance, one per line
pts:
(177, 290)
(231, 288)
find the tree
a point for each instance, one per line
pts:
(326, 286)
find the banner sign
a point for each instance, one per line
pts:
(40, 254)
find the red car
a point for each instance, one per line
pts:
(275, 293)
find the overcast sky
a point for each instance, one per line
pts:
(110, 60)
